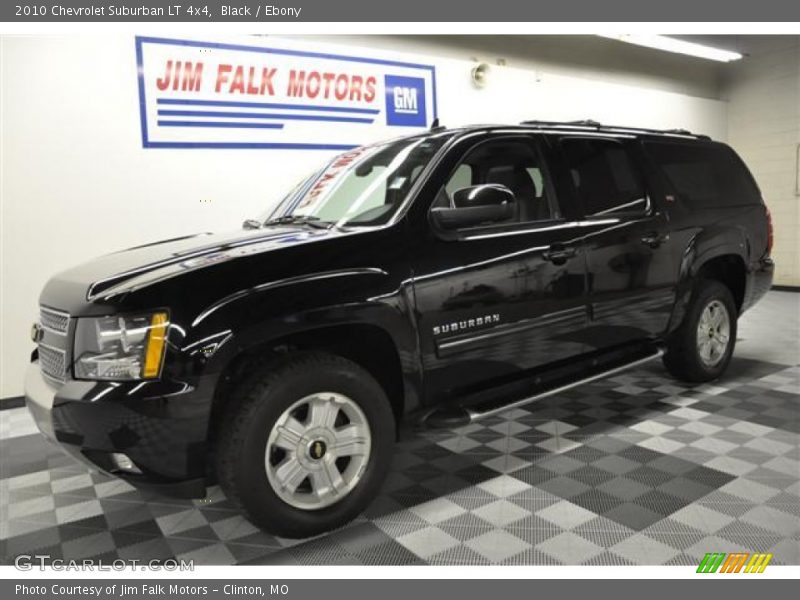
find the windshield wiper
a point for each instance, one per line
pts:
(309, 220)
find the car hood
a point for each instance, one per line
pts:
(120, 272)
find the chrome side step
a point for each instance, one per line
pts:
(476, 416)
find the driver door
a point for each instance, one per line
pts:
(498, 299)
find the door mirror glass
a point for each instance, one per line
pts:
(477, 205)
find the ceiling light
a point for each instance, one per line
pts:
(668, 44)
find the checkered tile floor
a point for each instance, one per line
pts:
(637, 469)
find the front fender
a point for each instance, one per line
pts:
(253, 317)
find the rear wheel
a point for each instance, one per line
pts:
(701, 348)
(306, 444)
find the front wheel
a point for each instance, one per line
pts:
(306, 444)
(701, 348)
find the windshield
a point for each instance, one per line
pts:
(364, 186)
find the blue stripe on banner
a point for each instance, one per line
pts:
(220, 124)
(319, 107)
(254, 115)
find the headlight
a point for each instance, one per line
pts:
(120, 348)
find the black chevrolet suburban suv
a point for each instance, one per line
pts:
(433, 280)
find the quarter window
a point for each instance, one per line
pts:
(705, 174)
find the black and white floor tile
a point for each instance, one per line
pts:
(636, 469)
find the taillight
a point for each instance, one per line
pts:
(770, 231)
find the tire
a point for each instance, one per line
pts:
(324, 394)
(687, 358)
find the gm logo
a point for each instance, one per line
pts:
(405, 101)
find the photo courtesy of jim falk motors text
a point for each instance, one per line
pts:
(362, 299)
(125, 590)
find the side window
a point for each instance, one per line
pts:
(537, 177)
(604, 176)
(513, 163)
(461, 178)
(704, 174)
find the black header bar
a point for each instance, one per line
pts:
(252, 11)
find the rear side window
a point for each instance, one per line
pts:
(604, 176)
(705, 174)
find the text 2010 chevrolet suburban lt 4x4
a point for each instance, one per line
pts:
(432, 279)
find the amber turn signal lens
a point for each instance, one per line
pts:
(155, 345)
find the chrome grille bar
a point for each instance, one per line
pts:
(53, 362)
(54, 320)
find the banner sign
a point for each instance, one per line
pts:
(196, 94)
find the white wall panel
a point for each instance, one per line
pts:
(763, 92)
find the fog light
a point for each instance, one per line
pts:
(123, 463)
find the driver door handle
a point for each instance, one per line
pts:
(654, 239)
(558, 254)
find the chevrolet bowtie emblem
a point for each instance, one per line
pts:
(36, 333)
(317, 450)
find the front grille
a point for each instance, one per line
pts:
(54, 320)
(53, 362)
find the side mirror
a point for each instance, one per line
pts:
(477, 205)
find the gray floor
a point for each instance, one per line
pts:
(636, 469)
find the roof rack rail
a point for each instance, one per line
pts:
(594, 125)
(589, 123)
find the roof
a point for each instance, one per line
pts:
(586, 126)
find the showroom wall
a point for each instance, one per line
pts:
(584, 57)
(763, 94)
(76, 181)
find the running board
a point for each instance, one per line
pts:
(475, 415)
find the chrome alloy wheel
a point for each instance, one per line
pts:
(318, 450)
(713, 333)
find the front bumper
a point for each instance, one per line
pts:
(39, 398)
(160, 427)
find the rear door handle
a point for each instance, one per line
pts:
(558, 255)
(654, 239)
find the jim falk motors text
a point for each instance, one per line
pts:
(158, 589)
(242, 80)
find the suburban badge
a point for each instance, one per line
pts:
(466, 324)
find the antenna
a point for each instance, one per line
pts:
(435, 124)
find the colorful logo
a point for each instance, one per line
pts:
(736, 562)
(405, 101)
